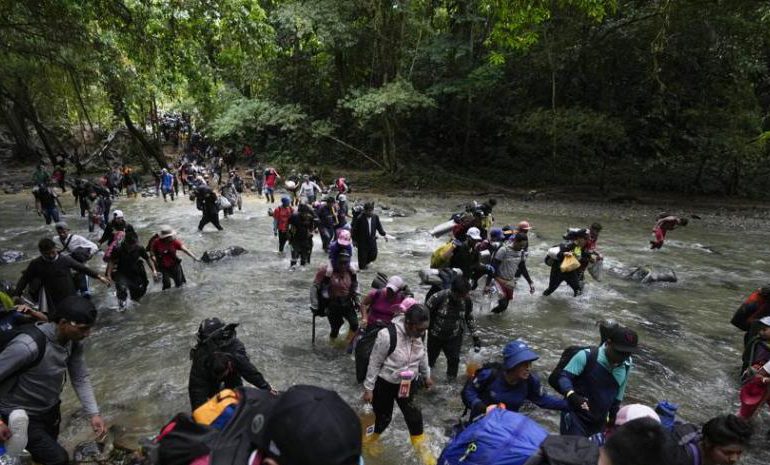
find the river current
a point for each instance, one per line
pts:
(139, 358)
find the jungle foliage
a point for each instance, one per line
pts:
(612, 94)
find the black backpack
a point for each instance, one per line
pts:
(565, 450)
(182, 440)
(40, 340)
(365, 345)
(566, 356)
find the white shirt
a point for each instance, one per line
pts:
(74, 242)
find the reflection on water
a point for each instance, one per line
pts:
(139, 358)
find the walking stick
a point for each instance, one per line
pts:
(313, 329)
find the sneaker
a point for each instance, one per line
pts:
(18, 421)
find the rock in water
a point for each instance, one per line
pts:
(11, 256)
(652, 274)
(218, 254)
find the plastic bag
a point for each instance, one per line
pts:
(570, 263)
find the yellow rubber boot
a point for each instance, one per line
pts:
(372, 445)
(420, 444)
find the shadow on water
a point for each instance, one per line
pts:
(139, 358)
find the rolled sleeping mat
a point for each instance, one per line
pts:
(443, 228)
(380, 280)
(432, 277)
(290, 185)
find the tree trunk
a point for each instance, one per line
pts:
(17, 125)
(150, 149)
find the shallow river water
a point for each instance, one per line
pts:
(139, 358)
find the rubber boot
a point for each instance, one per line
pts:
(372, 445)
(420, 444)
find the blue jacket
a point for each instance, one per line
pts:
(490, 387)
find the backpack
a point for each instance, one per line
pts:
(440, 258)
(40, 340)
(500, 437)
(494, 366)
(216, 407)
(183, 440)
(566, 450)
(365, 345)
(566, 356)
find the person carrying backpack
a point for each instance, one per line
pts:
(449, 309)
(721, 441)
(511, 383)
(342, 295)
(377, 307)
(34, 366)
(756, 306)
(219, 361)
(594, 383)
(390, 378)
(510, 262)
(572, 250)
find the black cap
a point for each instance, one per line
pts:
(76, 309)
(624, 339)
(308, 425)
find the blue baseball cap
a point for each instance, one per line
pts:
(516, 352)
(285, 200)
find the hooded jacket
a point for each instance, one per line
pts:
(410, 354)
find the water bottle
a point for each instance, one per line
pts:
(367, 419)
(474, 363)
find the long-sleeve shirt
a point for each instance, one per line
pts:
(410, 354)
(203, 384)
(55, 276)
(510, 264)
(448, 313)
(490, 387)
(38, 389)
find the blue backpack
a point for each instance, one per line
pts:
(500, 437)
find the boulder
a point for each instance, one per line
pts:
(11, 256)
(652, 274)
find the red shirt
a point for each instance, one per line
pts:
(166, 252)
(281, 215)
(270, 178)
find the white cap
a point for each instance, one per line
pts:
(395, 283)
(633, 412)
(118, 214)
(765, 320)
(474, 233)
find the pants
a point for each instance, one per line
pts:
(557, 277)
(81, 284)
(51, 214)
(168, 191)
(136, 286)
(571, 425)
(382, 403)
(283, 237)
(327, 235)
(174, 273)
(451, 348)
(367, 253)
(83, 208)
(42, 433)
(339, 310)
(269, 195)
(212, 218)
(301, 249)
(659, 236)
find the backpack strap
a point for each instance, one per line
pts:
(393, 338)
(40, 341)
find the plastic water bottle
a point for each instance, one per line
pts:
(475, 361)
(367, 419)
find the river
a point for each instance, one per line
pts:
(139, 358)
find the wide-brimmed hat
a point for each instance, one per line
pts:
(166, 231)
(517, 352)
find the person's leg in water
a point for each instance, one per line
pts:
(573, 280)
(215, 221)
(452, 348)
(434, 350)
(555, 280)
(414, 423)
(349, 314)
(166, 275)
(382, 404)
(334, 313)
(506, 295)
(294, 254)
(204, 221)
(283, 237)
(178, 276)
(121, 289)
(43, 431)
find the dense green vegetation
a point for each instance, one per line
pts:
(656, 94)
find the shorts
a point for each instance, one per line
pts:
(505, 288)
